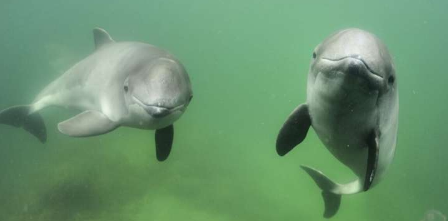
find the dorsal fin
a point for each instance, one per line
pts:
(101, 37)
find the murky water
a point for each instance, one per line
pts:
(248, 63)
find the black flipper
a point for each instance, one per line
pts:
(372, 158)
(294, 130)
(164, 142)
(18, 116)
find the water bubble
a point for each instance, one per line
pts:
(434, 215)
(25, 208)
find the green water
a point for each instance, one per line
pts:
(248, 62)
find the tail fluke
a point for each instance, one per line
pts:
(331, 191)
(19, 116)
(332, 202)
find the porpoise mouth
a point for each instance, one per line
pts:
(358, 58)
(156, 110)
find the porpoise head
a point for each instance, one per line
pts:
(358, 57)
(353, 75)
(161, 91)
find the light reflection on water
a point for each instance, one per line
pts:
(434, 215)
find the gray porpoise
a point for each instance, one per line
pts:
(120, 84)
(352, 104)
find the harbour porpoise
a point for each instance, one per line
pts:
(352, 105)
(129, 84)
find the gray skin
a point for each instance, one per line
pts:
(120, 84)
(352, 104)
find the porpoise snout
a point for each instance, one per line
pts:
(157, 112)
(356, 67)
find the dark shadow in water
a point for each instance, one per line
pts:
(80, 184)
(69, 199)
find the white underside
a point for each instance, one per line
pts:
(342, 118)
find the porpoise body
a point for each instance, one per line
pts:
(129, 84)
(352, 105)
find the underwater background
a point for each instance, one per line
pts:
(248, 62)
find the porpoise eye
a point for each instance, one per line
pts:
(191, 97)
(314, 55)
(126, 88)
(391, 79)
